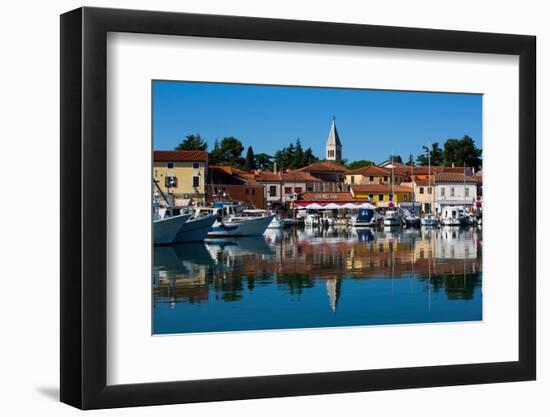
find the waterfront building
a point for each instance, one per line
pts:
(339, 198)
(334, 146)
(381, 194)
(423, 187)
(232, 184)
(455, 189)
(181, 174)
(282, 188)
(331, 175)
(372, 174)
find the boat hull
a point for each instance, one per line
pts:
(392, 222)
(165, 230)
(195, 230)
(254, 227)
(412, 222)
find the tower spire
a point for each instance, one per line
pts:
(334, 146)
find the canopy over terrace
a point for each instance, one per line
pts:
(330, 201)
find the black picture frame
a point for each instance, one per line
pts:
(84, 207)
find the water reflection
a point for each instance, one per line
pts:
(304, 277)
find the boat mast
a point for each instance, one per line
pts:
(392, 192)
(430, 188)
(464, 204)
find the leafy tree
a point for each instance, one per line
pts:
(192, 143)
(360, 164)
(395, 158)
(228, 152)
(250, 162)
(436, 155)
(411, 160)
(461, 152)
(263, 161)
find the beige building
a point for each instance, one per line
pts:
(181, 174)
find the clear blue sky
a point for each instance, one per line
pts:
(371, 123)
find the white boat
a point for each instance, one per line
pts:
(165, 229)
(429, 220)
(230, 221)
(195, 229)
(276, 223)
(393, 218)
(451, 216)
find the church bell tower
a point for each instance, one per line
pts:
(334, 146)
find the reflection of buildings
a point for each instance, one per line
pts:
(333, 291)
(297, 261)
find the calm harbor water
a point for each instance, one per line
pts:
(306, 278)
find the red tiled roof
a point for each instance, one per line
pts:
(180, 156)
(336, 197)
(453, 177)
(322, 166)
(423, 181)
(245, 176)
(380, 188)
(371, 170)
(291, 176)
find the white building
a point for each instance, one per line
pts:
(454, 189)
(334, 146)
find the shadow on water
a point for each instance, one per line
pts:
(286, 272)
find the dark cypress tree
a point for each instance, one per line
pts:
(250, 163)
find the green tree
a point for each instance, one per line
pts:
(460, 152)
(410, 162)
(395, 158)
(359, 164)
(309, 158)
(263, 161)
(214, 158)
(436, 155)
(250, 163)
(298, 160)
(192, 143)
(228, 152)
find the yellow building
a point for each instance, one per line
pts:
(381, 194)
(181, 174)
(372, 174)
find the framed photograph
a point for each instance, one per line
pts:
(256, 208)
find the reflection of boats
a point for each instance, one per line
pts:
(365, 217)
(364, 235)
(311, 219)
(451, 216)
(195, 229)
(274, 235)
(429, 220)
(178, 257)
(239, 246)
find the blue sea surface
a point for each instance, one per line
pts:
(313, 278)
